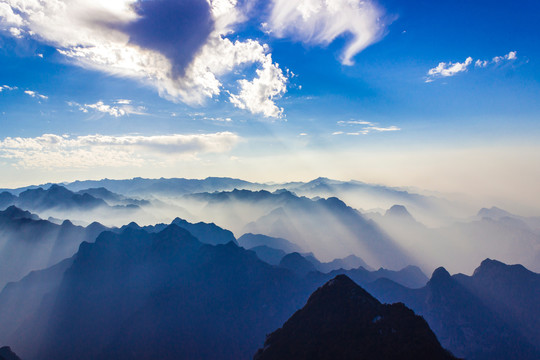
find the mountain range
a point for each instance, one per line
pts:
(240, 262)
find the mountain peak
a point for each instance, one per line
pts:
(343, 321)
(493, 212)
(297, 264)
(440, 275)
(7, 354)
(398, 211)
(15, 213)
(495, 268)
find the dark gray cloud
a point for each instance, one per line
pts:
(175, 28)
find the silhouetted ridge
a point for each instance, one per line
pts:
(175, 233)
(477, 317)
(343, 321)
(208, 233)
(14, 213)
(250, 240)
(439, 276)
(297, 263)
(57, 197)
(7, 354)
(490, 267)
(512, 292)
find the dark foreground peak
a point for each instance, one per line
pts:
(343, 321)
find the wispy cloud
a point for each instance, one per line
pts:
(121, 108)
(35, 94)
(320, 22)
(184, 60)
(354, 122)
(451, 69)
(366, 127)
(55, 151)
(8, 88)
(218, 119)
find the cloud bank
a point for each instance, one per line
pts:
(177, 46)
(55, 151)
(320, 22)
(451, 69)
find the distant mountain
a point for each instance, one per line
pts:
(250, 240)
(493, 213)
(462, 245)
(326, 227)
(268, 254)
(7, 354)
(399, 212)
(410, 276)
(346, 263)
(162, 186)
(297, 264)
(496, 213)
(29, 243)
(362, 195)
(343, 321)
(60, 202)
(6, 199)
(57, 197)
(461, 320)
(112, 198)
(207, 233)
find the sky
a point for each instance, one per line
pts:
(439, 96)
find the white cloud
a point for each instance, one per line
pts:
(512, 55)
(6, 87)
(361, 132)
(122, 109)
(8, 18)
(448, 69)
(367, 127)
(218, 119)
(383, 129)
(55, 151)
(258, 94)
(451, 69)
(481, 63)
(35, 94)
(320, 22)
(354, 122)
(92, 34)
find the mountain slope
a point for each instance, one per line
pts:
(29, 243)
(140, 295)
(463, 323)
(326, 227)
(342, 321)
(511, 291)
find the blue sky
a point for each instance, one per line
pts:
(277, 90)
